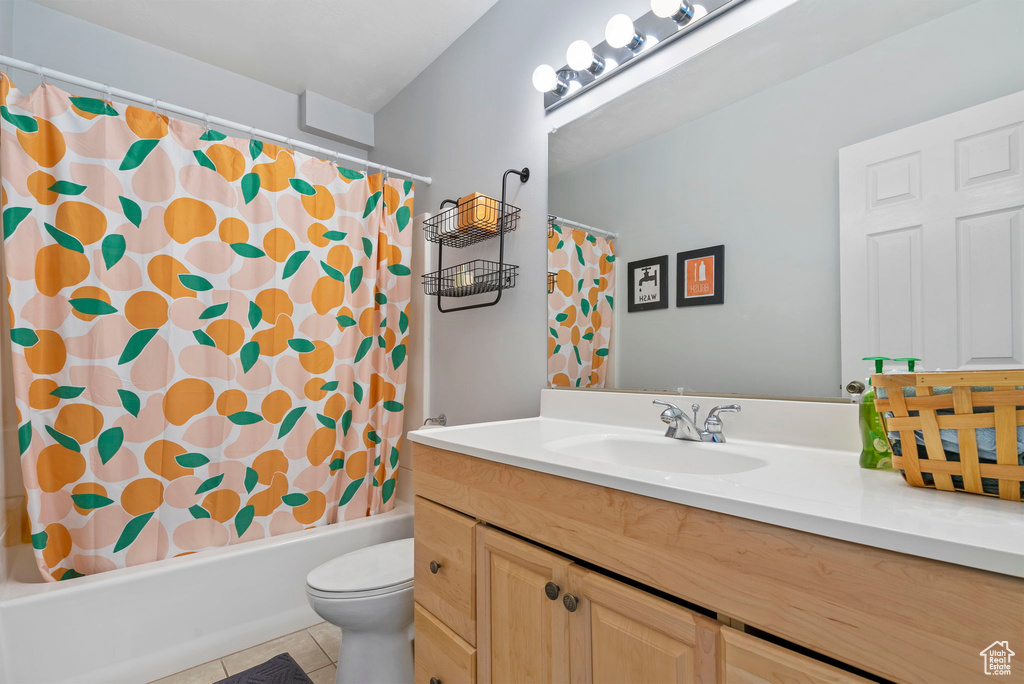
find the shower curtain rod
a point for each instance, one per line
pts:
(208, 119)
(586, 228)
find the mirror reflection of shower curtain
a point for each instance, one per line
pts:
(209, 332)
(580, 308)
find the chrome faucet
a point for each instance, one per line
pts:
(681, 426)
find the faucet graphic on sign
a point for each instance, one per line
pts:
(648, 277)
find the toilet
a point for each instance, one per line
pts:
(368, 594)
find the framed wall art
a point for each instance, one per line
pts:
(700, 276)
(648, 284)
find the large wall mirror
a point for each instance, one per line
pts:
(841, 180)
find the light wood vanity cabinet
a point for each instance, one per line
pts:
(522, 625)
(622, 634)
(506, 540)
(749, 660)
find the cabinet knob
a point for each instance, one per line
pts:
(570, 602)
(551, 590)
(435, 680)
(435, 567)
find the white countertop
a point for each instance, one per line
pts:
(801, 486)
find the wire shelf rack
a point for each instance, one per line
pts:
(471, 278)
(472, 220)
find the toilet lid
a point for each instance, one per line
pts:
(373, 567)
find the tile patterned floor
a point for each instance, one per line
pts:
(315, 650)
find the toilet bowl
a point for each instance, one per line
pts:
(368, 594)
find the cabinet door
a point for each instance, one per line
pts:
(623, 634)
(749, 660)
(522, 635)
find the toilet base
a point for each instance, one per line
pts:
(375, 658)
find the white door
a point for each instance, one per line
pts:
(931, 251)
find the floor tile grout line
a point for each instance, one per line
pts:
(320, 646)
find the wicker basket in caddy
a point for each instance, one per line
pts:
(1004, 411)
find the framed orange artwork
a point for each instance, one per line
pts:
(700, 276)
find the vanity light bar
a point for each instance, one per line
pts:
(626, 43)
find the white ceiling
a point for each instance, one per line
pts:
(359, 52)
(802, 37)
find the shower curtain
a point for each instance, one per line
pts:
(580, 305)
(209, 333)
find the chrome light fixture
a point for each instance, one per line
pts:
(626, 42)
(620, 32)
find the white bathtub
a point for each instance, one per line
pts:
(138, 624)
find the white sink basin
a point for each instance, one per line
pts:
(657, 453)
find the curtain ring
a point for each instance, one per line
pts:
(206, 122)
(109, 96)
(42, 79)
(252, 133)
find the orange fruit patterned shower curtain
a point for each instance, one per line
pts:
(208, 333)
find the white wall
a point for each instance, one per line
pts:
(60, 41)
(468, 117)
(761, 176)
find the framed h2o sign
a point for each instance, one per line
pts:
(700, 276)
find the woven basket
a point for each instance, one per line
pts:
(1002, 408)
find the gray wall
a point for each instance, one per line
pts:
(60, 41)
(761, 176)
(467, 118)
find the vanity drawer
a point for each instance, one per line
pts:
(749, 660)
(441, 655)
(446, 566)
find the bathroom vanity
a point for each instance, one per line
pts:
(540, 561)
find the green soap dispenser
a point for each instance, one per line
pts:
(911, 362)
(876, 454)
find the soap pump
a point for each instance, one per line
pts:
(910, 361)
(875, 454)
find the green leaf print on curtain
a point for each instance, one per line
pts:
(580, 307)
(211, 332)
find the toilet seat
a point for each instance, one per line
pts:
(371, 571)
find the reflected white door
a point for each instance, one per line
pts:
(931, 251)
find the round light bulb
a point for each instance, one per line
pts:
(667, 8)
(619, 32)
(699, 12)
(544, 78)
(579, 56)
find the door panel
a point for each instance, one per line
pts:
(522, 635)
(622, 634)
(749, 660)
(931, 256)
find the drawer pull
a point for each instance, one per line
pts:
(570, 602)
(435, 680)
(551, 590)
(435, 567)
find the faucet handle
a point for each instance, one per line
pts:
(728, 408)
(671, 414)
